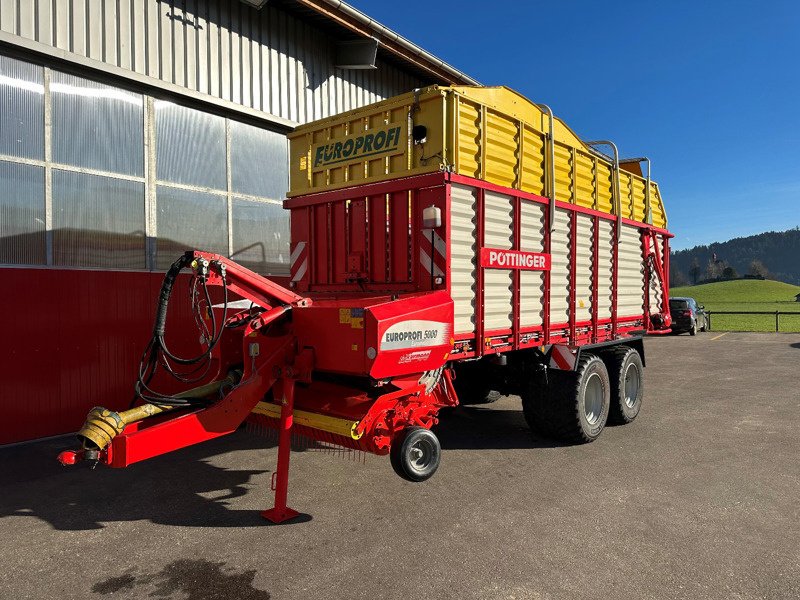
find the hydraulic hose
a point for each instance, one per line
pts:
(156, 353)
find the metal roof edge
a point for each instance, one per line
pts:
(385, 34)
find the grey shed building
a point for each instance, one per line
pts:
(131, 130)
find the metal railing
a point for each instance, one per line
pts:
(777, 314)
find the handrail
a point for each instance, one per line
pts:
(550, 186)
(615, 182)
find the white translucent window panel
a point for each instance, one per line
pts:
(21, 109)
(22, 222)
(96, 126)
(98, 221)
(190, 146)
(259, 162)
(189, 220)
(261, 236)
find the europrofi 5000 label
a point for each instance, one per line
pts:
(415, 334)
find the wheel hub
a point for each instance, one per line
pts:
(593, 398)
(420, 454)
(632, 376)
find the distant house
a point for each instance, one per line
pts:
(797, 298)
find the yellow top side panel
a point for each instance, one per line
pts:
(490, 133)
(517, 107)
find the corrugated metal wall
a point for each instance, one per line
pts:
(531, 283)
(560, 241)
(463, 200)
(498, 222)
(264, 59)
(584, 242)
(631, 273)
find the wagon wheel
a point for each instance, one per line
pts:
(415, 454)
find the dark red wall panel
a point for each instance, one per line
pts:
(72, 340)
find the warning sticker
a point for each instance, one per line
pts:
(352, 316)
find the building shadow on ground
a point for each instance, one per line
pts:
(189, 487)
(181, 488)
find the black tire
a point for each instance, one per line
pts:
(693, 328)
(472, 385)
(535, 395)
(405, 455)
(703, 326)
(559, 410)
(626, 372)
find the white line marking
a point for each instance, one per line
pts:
(301, 271)
(439, 245)
(296, 252)
(425, 260)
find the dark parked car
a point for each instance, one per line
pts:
(687, 315)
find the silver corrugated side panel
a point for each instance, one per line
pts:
(498, 221)
(559, 272)
(583, 269)
(263, 59)
(531, 283)
(630, 301)
(463, 200)
(605, 269)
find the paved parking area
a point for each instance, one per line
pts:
(696, 499)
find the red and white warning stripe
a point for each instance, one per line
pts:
(439, 251)
(298, 261)
(562, 357)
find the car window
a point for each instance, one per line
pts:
(678, 304)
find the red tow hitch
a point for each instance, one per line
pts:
(71, 457)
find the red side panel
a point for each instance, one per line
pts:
(410, 335)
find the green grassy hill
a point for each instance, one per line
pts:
(746, 295)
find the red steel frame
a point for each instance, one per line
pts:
(482, 341)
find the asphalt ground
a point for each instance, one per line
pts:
(698, 498)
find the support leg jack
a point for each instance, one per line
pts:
(280, 479)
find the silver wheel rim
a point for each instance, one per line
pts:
(420, 455)
(593, 398)
(631, 385)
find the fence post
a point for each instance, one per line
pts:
(709, 321)
(776, 321)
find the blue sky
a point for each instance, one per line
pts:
(710, 91)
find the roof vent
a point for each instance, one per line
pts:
(257, 4)
(357, 54)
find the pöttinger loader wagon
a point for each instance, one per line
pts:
(448, 244)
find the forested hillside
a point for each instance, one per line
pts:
(773, 255)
